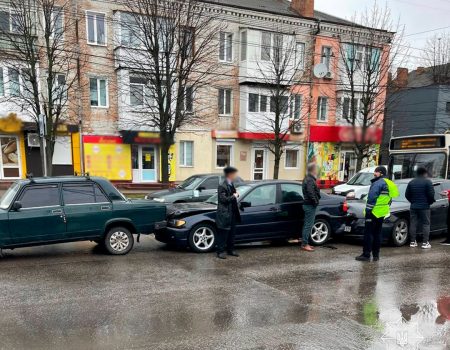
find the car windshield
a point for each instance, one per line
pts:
(8, 196)
(404, 166)
(243, 189)
(190, 183)
(401, 191)
(361, 179)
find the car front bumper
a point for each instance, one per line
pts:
(171, 235)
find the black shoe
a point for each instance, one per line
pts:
(221, 256)
(376, 258)
(362, 257)
(446, 242)
(233, 253)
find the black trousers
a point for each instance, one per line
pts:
(372, 236)
(225, 239)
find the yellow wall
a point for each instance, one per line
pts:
(22, 155)
(76, 153)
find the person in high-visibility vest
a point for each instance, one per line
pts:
(379, 200)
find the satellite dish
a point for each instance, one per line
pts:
(320, 70)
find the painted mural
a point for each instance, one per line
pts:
(326, 156)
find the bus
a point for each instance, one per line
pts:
(408, 153)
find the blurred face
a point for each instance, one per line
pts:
(232, 176)
(377, 174)
(313, 171)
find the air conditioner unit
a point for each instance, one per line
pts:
(296, 127)
(328, 76)
(33, 140)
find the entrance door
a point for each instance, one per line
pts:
(259, 164)
(144, 163)
(347, 166)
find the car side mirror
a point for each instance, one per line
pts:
(201, 188)
(245, 205)
(17, 206)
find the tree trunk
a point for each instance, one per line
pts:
(42, 153)
(49, 151)
(165, 146)
(276, 165)
(359, 162)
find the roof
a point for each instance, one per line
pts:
(51, 179)
(280, 7)
(423, 77)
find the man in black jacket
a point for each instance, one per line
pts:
(311, 194)
(227, 214)
(420, 193)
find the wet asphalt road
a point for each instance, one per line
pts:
(70, 296)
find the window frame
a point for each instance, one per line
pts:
(225, 114)
(226, 45)
(182, 162)
(95, 13)
(276, 199)
(231, 145)
(319, 109)
(300, 55)
(85, 184)
(287, 149)
(98, 91)
(25, 188)
(244, 45)
(326, 59)
(52, 19)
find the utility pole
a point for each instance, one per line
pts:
(42, 132)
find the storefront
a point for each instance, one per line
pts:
(12, 162)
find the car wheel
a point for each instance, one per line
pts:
(400, 233)
(118, 241)
(320, 232)
(202, 238)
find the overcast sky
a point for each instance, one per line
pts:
(416, 15)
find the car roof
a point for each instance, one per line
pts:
(205, 175)
(433, 180)
(64, 179)
(261, 182)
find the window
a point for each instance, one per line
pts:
(300, 54)
(224, 101)
(14, 82)
(266, 46)
(346, 109)
(96, 28)
(83, 194)
(10, 154)
(322, 109)
(187, 47)
(10, 21)
(129, 30)
(4, 20)
(186, 153)
(40, 196)
(211, 183)
(291, 160)
(98, 92)
(296, 106)
(253, 102)
(262, 195)
(223, 155)
(2, 83)
(244, 46)
(326, 56)
(291, 193)
(283, 104)
(365, 58)
(188, 99)
(226, 47)
(57, 22)
(137, 91)
(60, 88)
(262, 103)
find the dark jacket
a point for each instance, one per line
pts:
(420, 192)
(377, 187)
(311, 192)
(227, 208)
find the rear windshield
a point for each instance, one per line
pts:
(361, 179)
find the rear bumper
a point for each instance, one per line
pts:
(357, 228)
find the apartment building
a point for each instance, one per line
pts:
(236, 108)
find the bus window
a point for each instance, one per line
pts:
(404, 166)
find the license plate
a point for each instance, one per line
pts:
(347, 229)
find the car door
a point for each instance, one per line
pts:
(87, 209)
(41, 217)
(291, 214)
(260, 220)
(207, 188)
(439, 209)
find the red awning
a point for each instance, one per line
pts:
(325, 133)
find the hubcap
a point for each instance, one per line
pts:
(319, 232)
(119, 241)
(401, 232)
(203, 238)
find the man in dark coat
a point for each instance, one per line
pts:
(227, 214)
(420, 193)
(311, 194)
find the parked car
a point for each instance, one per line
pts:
(64, 209)
(396, 226)
(270, 210)
(358, 186)
(196, 188)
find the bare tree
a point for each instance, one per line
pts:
(170, 47)
(437, 57)
(367, 55)
(40, 53)
(279, 107)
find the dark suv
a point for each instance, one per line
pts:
(65, 209)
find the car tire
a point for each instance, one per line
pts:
(118, 241)
(400, 233)
(320, 233)
(202, 238)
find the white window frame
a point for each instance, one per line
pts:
(326, 59)
(143, 95)
(19, 156)
(285, 158)
(319, 109)
(258, 101)
(224, 102)
(184, 109)
(183, 161)
(98, 91)
(225, 59)
(94, 14)
(243, 45)
(300, 53)
(52, 19)
(221, 143)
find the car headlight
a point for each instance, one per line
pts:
(159, 200)
(176, 223)
(351, 195)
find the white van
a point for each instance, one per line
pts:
(358, 186)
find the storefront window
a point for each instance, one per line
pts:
(10, 157)
(223, 155)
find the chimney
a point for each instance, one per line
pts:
(402, 77)
(420, 70)
(304, 8)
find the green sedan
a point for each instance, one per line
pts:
(66, 209)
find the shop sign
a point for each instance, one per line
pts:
(10, 123)
(140, 137)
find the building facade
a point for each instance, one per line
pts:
(103, 141)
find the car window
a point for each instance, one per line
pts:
(40, 196)
(262, 195)
(9, 195)
(210, 183)
(78, 194)
(291, 193)
(99, 195)
(437, 192)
